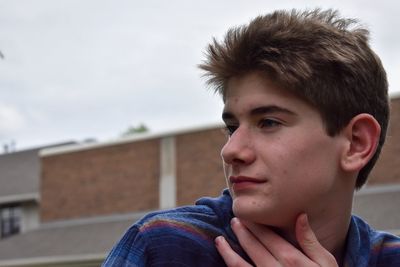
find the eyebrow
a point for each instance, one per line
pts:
(226, 115)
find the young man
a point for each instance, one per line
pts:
(306, 110)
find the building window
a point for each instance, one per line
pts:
(10, 220)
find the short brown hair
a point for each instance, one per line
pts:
(317, 55)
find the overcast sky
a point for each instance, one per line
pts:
(78, 69)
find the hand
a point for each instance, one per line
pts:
(266, 248)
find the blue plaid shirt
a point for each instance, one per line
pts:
(185, 237)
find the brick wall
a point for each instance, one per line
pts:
(387, 169)
(122, 178)
(111, 179)
(199, 165)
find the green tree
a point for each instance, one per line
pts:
(141, 128)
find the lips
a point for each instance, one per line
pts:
(240, 183)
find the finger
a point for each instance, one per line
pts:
(310, 244)
(231, 258)
(258, 253)
(281, 249)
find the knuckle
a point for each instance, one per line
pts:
(310, 244)
(310, 239)
(289, 258)
(234, 263)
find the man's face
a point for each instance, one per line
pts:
(279, 160)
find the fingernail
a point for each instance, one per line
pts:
(219, 239)
(304, 220)
(234, 221)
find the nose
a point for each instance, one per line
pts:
(239, 148)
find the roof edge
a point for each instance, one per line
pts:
(394, 231)
(378, 189)
(128, 139)
(29, 197)
(96, 219)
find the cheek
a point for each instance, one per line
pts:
(311, 167)
(301, 159)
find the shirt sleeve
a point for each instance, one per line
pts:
(129, 251)
(387, 252)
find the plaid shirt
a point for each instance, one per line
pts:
(185, 237)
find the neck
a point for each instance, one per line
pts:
(332, 234)
(330, 229)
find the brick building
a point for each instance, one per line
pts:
(90, 193)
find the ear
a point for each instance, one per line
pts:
(362, 133)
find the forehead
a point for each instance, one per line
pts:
(257, 89)
(254, 90)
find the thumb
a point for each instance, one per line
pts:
(310, 244)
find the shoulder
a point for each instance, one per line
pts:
(183, 235)
(191, 222)
(200, 223)
(383, 248)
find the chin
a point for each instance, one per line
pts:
(263, 215)
(242, 213)
(250, 213)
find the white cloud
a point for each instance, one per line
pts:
(11, 120)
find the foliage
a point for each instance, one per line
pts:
(141, 128)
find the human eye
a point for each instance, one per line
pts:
(269, 123)
(230, 129)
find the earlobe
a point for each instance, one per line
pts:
(362, 133)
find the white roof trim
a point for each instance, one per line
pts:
(395, 94)
(42, 261)
(394, 231)
(19, 198)
(93, 220)
(128, 139)
(378, 189)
